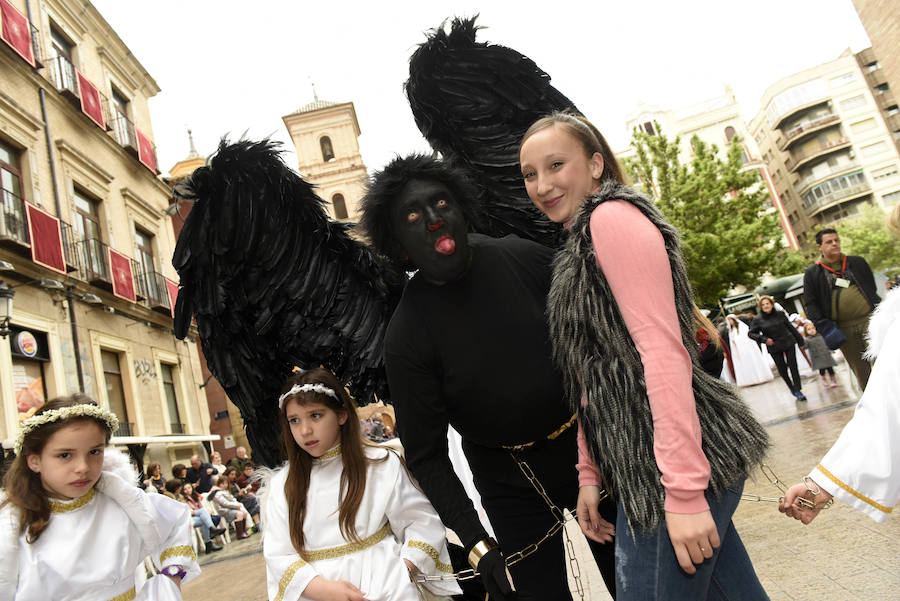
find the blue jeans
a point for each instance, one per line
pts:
(647, 569)
(202, 519)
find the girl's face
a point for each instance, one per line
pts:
(215, 458)
(810, 329)
(766, 305)
(558, 174)
(316, 427)
(71, 461)
(187, 490)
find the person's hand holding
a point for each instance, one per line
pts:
(209, 470)
(791, 508)
(769, 342)
(693, 536)
(494, 577)
(320, 589)
(592, 525)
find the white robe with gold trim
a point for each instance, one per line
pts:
(390, 500)
(862, 469)
(92, 551)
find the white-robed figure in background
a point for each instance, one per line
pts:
(342, 519)
(750, 366)
(94, 526)
(862, 469)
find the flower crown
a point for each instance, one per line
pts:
(63, 413)
(320, 388)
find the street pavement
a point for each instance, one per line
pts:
(841, 556)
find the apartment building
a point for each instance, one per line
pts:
(715, 121)
(85, 244)
(826, 140)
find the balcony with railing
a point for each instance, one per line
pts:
(62, 75)
(151, 288)
(36, 46)
(798, 159)
(92, 262)
(123, 130)
(13, 222)
(800, 131)
(814, 206)
(803, 185)
(69, 251)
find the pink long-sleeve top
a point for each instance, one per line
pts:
(631, 252)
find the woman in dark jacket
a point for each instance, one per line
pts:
(774, 329)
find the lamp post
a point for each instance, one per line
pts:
(6, 306)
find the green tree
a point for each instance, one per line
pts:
(729, 234)
(867, 235)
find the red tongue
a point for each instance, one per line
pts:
(445, 245)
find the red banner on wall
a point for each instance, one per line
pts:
(172, 287)
(90, 100)
(145, 150)
(122, 276)
(46, 239)
(16, 31)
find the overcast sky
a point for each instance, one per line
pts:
(228, 67)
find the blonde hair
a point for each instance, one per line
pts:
(587, 134)
(894, 220)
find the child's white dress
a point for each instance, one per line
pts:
(92, 546)
(395, 522)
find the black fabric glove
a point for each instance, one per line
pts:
(493, 575)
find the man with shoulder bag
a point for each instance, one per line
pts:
(839, 293)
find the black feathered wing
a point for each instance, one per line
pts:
(273, 283)
(473, 102)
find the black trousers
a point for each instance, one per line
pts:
(784, 360)
(520, 516)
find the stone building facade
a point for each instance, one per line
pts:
(84, 239)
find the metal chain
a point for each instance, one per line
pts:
(773, 479)
(521, 554)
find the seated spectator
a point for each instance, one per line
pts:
(201, 474)
(216, 460)
(228, 507)
(244, 495)
(172, 489)
(155, 480)
(246, 480)
(240, 459)
(179, 471)
(200, 517)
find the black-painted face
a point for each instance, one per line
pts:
(431, 227)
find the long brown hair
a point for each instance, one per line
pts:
(353, 477)
(587, 135)
(23, 486)
(702, 322)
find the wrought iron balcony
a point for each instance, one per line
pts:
(69, 250)
(36, 46)
(13, 222)
(93, 265)
(151, 286)
(123, 130)
(62, 74)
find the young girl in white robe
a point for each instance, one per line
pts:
(343, 519)
(74, 526)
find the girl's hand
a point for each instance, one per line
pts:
(594, 527)
(693, 536)
(320, 589)
(791, 508)
(413, 570)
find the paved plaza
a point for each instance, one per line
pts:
(841, 556)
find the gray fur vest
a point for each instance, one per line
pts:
(598, 359)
